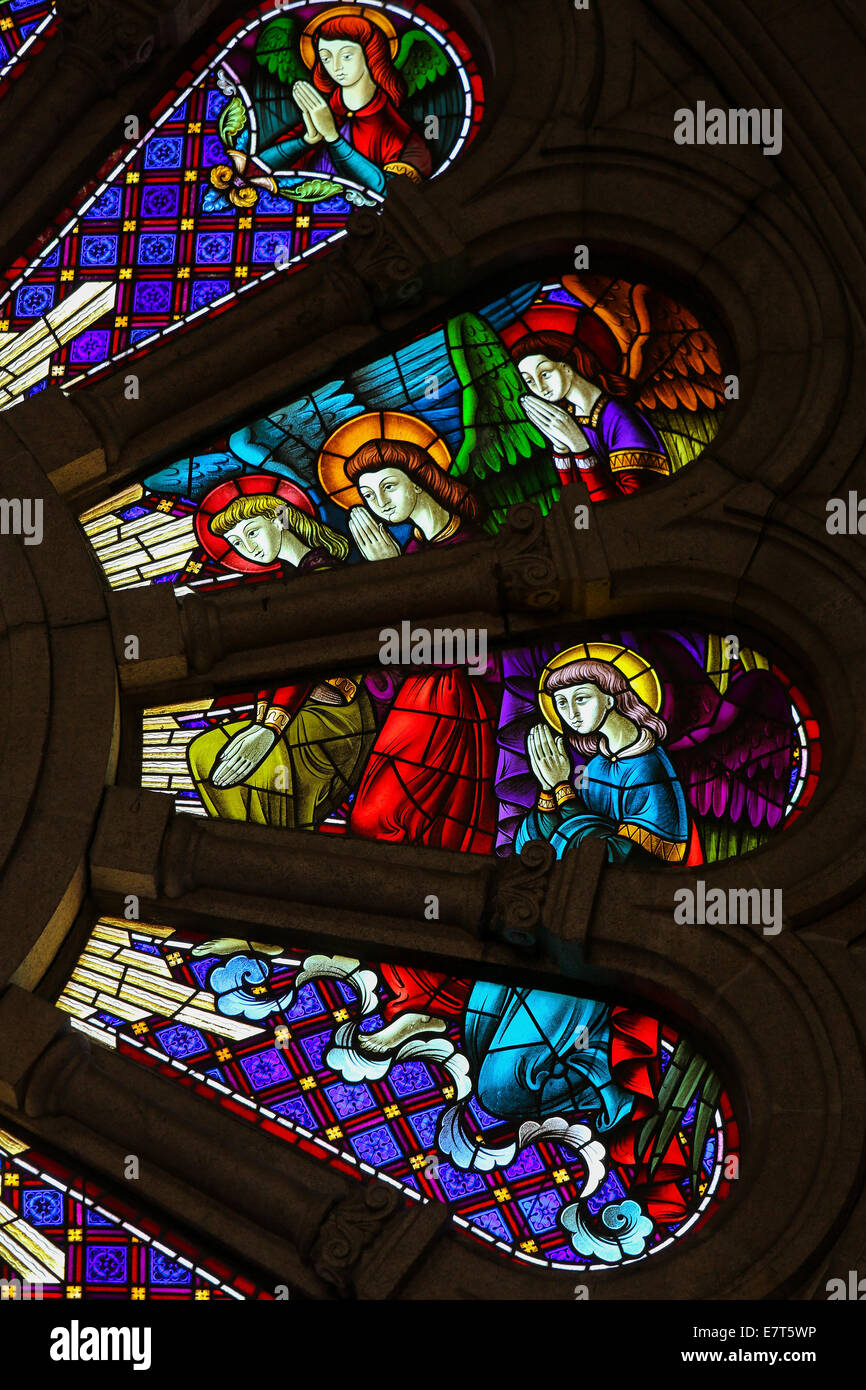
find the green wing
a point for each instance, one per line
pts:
(503, 456)
(420, 60)
(688, 1077)
(278, 50)
(433, 89)
(684, 433)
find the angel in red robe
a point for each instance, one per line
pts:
(350, 110)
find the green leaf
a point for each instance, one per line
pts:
(313, 191)
(233, 118)
(681, 1101)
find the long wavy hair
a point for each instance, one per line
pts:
(420, 467)
(377, 52)
(313, 533)
(609, 679)
(559, 347)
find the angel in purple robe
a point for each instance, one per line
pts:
(595, 369)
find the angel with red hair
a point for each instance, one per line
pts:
(350, 110)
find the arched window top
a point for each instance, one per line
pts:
(298, 112)
(596, 380)
(24, 27)
(674, 747)
(561, 1131)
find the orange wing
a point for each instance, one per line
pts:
(665, 351)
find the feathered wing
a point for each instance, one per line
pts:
(738, 769)
(671, 358)
(419, 379)
(433, 89)
(502, 455)
(685, 435)
(289, 439)
(731, 737)
(460, 380)
(736, 764)
(277, 67)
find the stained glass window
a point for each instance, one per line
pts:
(559, 1130)
(593, 380)
(296, 114)
(25, 25)
(62, 1236)
(676, 747)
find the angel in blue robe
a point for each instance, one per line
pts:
(628, 792)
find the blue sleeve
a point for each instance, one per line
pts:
(654, 799)
(352, 165)
(282, 154)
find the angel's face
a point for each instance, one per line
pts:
(550, 380)
(343, 61)
(582, 708)
(258, 538)
(390, 494)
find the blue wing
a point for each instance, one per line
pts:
(418, 379)
(288, 440)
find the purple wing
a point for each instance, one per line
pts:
(736, 762)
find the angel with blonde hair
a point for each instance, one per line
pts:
(267, 528)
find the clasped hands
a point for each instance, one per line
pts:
(249, 747)
(548, 759)
(242, 755)
(372, 537)
(556, 424)
(317, 114)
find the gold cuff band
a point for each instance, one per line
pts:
(408, 169)
(632, 459)
(348, 689)
(277, 719)
(673, 851)
(564, 791)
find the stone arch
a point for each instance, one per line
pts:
(741, 536)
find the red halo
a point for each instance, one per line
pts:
(579, 324)
(247, 485)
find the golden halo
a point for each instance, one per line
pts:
(638, 672)
(308, 45)
(375, 424)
